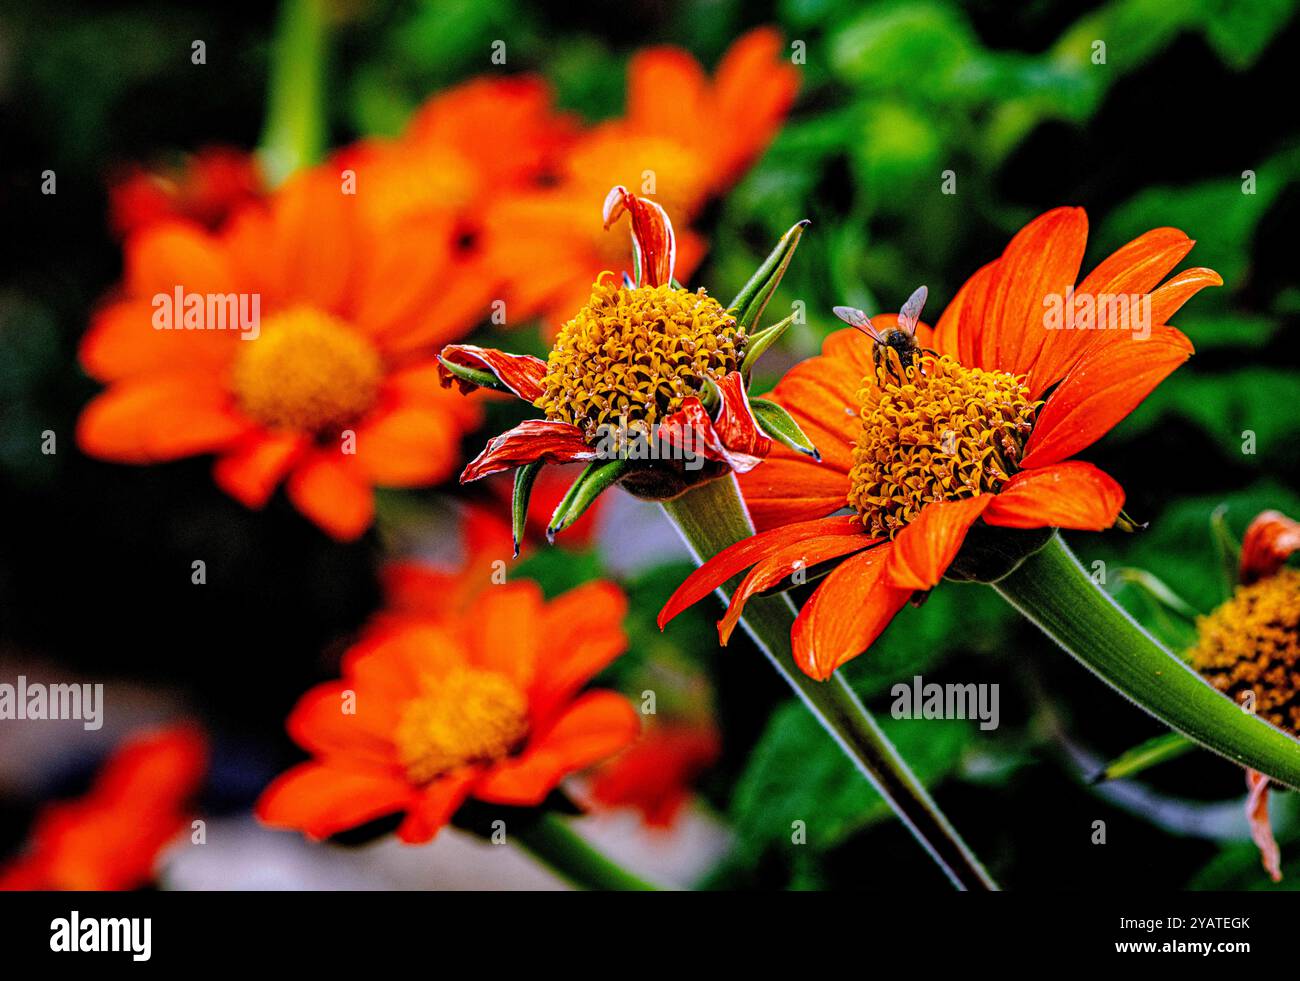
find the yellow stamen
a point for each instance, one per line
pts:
(306, 372)
(633, 354)
(1251, 643)
(941, 433)
(467, 716)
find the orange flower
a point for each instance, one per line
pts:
(977, 426)
(432, 709)
(685, 139)
(329, 382)
(1249, 649)
(655, 775)
(111, 838)
(207, 187)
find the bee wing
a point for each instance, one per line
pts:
(911, 312)
(856, 318)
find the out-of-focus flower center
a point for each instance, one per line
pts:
(306, 372)
(467, 716)
(941, 433)
(633, 355)
(1252, 644)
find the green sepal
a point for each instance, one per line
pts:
(760, 342)
(780, 425)
(753, 296)
(474, 376)
(595, 479)
(524, 478)
(1158, 749)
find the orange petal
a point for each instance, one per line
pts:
(754, 89)
(1041, 260)
(1135, 268)
(334, 720)
(332, 492)
(846, 613)
(123, 343)
(316, 240)
(789, 488)
(784, 562)
(926, 547)
(177, 253)
(1260, 829)
(321, 800)
(159, 418)
(251, 471)
(1270, 540)
(734, 559)
(408, 446)
(1073, 494)
(1169, 298)
(596, 726)
(664, 86)
(436, 804)
(1104, 386)
(494, 638)
(584, 633)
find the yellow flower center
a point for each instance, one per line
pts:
(306, 372)
(633, 355)
(1251, 643)
(941, 433)
(467, 716)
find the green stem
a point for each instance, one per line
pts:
(564, 851)
(712, 516)
(1054, 592)
(294, 136)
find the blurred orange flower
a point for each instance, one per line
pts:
(206, 187)
(329, 385)
(683, 140)
(655, 775)
(434, 708)
(111, 838)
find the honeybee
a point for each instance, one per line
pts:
(901, 338)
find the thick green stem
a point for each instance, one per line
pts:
(1054, 591)
(564, 851)
(713, 516)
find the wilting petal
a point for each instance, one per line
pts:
(1270, 540)
(1073, 494)
(1042, 260)
(521, 373)
(846, 613)
(1260, 829)
(652, 234)
(1101, 389)
(734, 559)
(1169, 298)
(926, 547)
(692, 430)
(1131, 270)
(532, 439)
(802, 554)
(741, 438)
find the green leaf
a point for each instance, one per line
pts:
(796, 773)
(753, 296)
(525, 476)
(597, 477)
(1167, 746)
(780, 425)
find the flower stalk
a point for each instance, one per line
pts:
(552, 841)
(711, 517)
(1053, 591)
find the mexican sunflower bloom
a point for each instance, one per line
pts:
(296, 345)
(975, 421)
(111, 838)
(1249, 649)
(433, 708)
(684, 139)
(627, 379)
